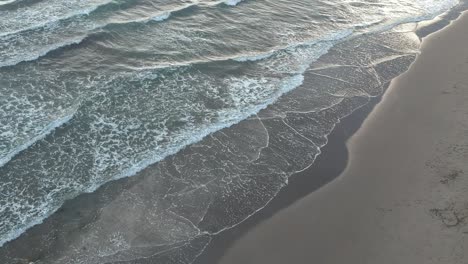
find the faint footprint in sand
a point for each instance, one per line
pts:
(451, 176)
(448, 216)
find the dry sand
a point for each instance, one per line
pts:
(403, 198)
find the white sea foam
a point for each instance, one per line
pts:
(248, 97)
(44, 13)
(161, 17)
(6, 2)
(21, 56)
(12, 42)
(245, 94)
(232, 2)
(44, 132)
(255, 57)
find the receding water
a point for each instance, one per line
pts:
(210, 105)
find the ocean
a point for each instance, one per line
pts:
(202, 109)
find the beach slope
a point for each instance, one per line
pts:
(403, 197)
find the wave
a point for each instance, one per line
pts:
(291, 82)
(232, 2)
(24, 16)
(45, 131)
(240, 57)
(334, 37)
(164, 15)
(161, 17)
(41, 53)
(287, 84)
(189, 137)
(7, 2)
(93, 28)
(89, 11)
(252, 57)
(194, 138)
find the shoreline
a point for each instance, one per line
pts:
(325, 170)
(353, 214)
(329, 164)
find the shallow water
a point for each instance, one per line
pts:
(93, 91)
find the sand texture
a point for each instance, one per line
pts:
(403, 197)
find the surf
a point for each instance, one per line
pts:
(102, 142)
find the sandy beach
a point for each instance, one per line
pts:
(231, 131)
(403, 197)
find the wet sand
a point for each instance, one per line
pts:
(403, 197)
(72, 220)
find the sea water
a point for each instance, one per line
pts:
(210, 106)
